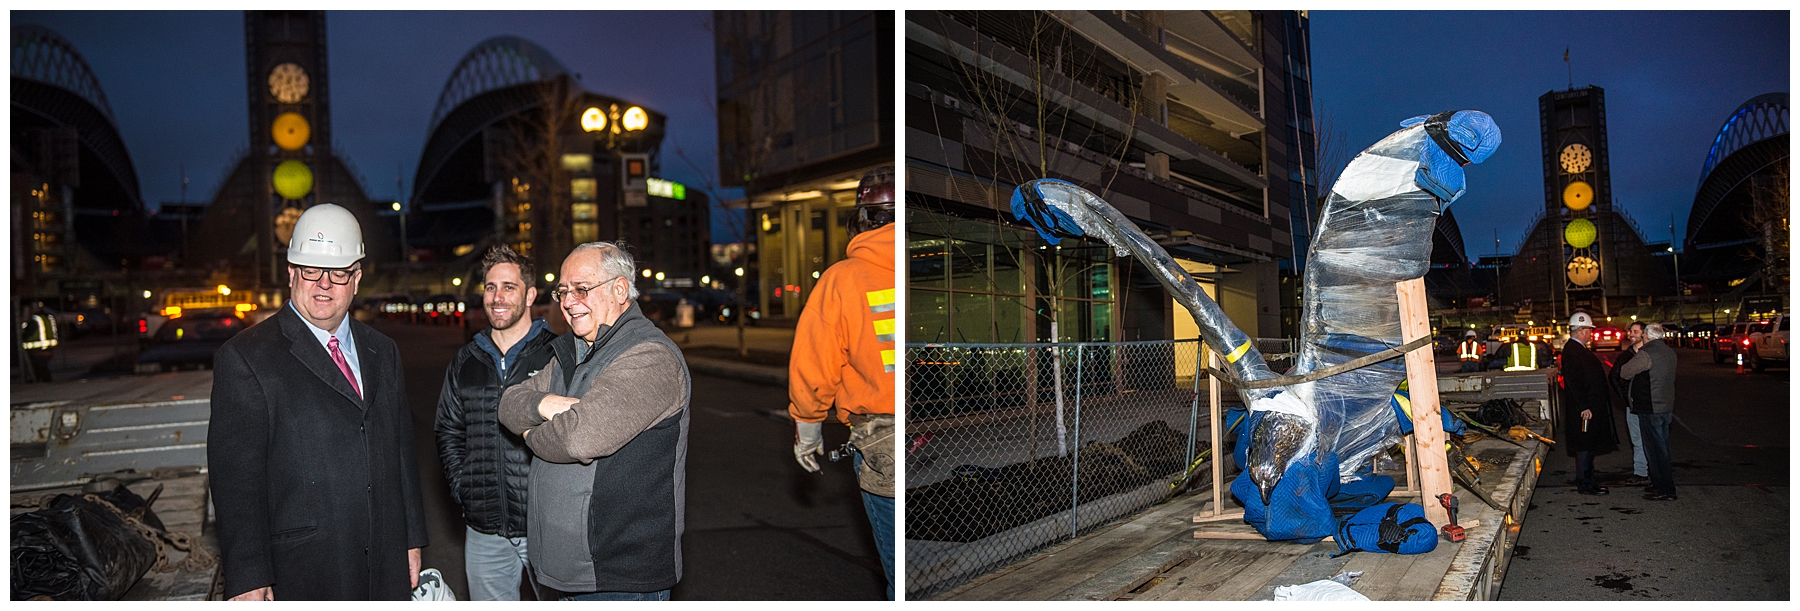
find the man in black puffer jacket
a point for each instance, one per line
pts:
(488, 467)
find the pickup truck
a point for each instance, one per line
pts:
(1767, 344)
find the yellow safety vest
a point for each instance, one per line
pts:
(1523, 357)
(40, 333)
(1470, 350)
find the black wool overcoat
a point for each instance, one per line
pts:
(316, 490)
(1585, 387)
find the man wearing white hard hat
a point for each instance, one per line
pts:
(310, 446)
(1586, 404)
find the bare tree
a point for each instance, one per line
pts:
(1033, 134)
(530, 156)
(1767, 222)
(758, 114)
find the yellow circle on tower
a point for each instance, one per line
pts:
(291, 131)
(1578, 195)
(293, 180)
(1580, 233)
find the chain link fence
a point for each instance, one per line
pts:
(1015, 447)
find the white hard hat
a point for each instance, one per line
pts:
(1469, 333)
(1579, 320)
(326, 236)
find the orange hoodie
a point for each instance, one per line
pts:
(844, 344)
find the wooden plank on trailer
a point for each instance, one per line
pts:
(1421, 579)
(1421, 376)
(1052, 572)
(1213, 566)
(1120, 579)
(1380, 572)
(1257, 575)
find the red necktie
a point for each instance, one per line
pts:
(343, 365)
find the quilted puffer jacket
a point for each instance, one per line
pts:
(488, 467)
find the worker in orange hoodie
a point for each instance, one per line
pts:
(844, 356)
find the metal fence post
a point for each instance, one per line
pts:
(1194, 409)
(1075, 477)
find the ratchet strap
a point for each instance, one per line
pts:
(1357, 363)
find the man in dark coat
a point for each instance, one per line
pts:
(310, 447)
(1587, 407)
(487, 466)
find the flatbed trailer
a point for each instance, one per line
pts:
(1173, 552)
(146, 432)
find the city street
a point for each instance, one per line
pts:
(1728, 536)
(758, 527)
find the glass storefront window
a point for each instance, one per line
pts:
(973, 317)
(926, 262)
(969, 267)
(996, 282)
(927, 316)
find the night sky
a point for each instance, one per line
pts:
(1671, 81)
(175, 81)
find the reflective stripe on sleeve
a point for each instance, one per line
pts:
(881, 301)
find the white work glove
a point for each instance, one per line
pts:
(809, 441)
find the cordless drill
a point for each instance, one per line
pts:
(1452, 531)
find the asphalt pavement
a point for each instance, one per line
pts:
(758, 527)
(1726, 538)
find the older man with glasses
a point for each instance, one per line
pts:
(310, 446)
(607, 424)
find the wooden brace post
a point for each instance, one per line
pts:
(1421, 382)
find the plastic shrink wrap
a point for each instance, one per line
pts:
(1375, 230)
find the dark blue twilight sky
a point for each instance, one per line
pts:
(1671, 81)
(175, 81)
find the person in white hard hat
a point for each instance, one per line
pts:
(1470, 351)
(310, 447)
(1587, 407)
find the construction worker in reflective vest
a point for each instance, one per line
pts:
(1470, 350)
(1521, 356)
(37, 335)
(843, 357)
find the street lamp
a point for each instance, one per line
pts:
(609, 122)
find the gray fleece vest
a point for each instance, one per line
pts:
(613, 525)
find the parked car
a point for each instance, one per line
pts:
(1767, 344)
(1725, 341)
(1608, 338)
(188, 341)
(93, 320)
(1698, 335)
(1671, 334)
(442, 309)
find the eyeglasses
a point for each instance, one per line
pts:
(580, 292)
(338, 276)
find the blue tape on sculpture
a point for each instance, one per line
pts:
(1052, 224)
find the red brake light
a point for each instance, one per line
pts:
(143, 326)
(1746, 341)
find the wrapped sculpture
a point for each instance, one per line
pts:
(1306, 443)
